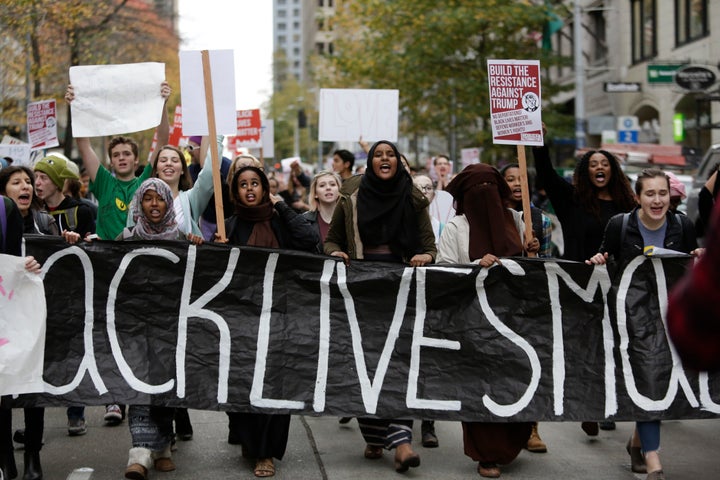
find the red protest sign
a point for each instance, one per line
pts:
(42, 125)
(176, 132)
(248, 126)
(515, 111)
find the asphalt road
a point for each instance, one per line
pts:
(320, 448)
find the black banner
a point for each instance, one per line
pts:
(247, 329)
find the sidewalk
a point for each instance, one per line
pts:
(320, 448)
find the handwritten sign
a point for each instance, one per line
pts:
(515, 107)
(116, 99)
(347, 115)
(19, 152)
(42, 125)
(22, 328)
(216, 326)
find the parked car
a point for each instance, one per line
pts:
(707, 164)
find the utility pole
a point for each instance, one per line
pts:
(580, 138)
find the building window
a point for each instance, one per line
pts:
(597, 34)
(691, 20)
(281, 26)
(281, 39)
(281, 13)
(644, 28)
(320, 48)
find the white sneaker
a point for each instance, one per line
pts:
(76, 427)
(113, 415)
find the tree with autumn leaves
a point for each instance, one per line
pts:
(44, 38)
(435, 53)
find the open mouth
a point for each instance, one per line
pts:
(656, 210)
(250, 197)
(600, 177)
(385, 167)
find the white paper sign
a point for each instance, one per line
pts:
(192, 91)
(116, 99)
(19, 152)
(22, 328)
(348, 115)
(267, 138)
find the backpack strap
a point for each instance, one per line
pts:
(71, 217)
(623, 229)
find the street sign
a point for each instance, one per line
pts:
(663, 73)
(628, 129)
(622, 87)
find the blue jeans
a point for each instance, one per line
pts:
(76, 413)
(649, 433)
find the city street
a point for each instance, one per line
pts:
(320, 448)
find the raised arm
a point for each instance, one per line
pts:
(91, 162)
(163, 130)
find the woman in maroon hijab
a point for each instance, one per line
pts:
(484, 230)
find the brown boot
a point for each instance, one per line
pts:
(535, 443)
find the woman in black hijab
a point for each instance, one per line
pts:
(381, 216)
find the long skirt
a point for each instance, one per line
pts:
(495, 442)
(262, 435)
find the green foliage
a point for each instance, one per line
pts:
(289, 97)
(435, 53)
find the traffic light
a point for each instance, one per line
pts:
(302, 119)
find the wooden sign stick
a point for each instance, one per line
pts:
(212, 133)
(527, 216)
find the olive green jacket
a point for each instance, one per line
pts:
(344, 235)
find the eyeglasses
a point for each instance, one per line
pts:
(426, 188)
(190, 148)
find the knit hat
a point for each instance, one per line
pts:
(56, 166)
(195, 139)
(677, 188)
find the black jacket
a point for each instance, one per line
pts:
(679, 236)
(291, 229)
(581, 230)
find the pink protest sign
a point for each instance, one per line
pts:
(42, 125)
(515, 107)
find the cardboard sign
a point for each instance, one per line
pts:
(249, 127)
(116, 99)
(348, 115)
(42, 125)
(192, 91)
(515, 106)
